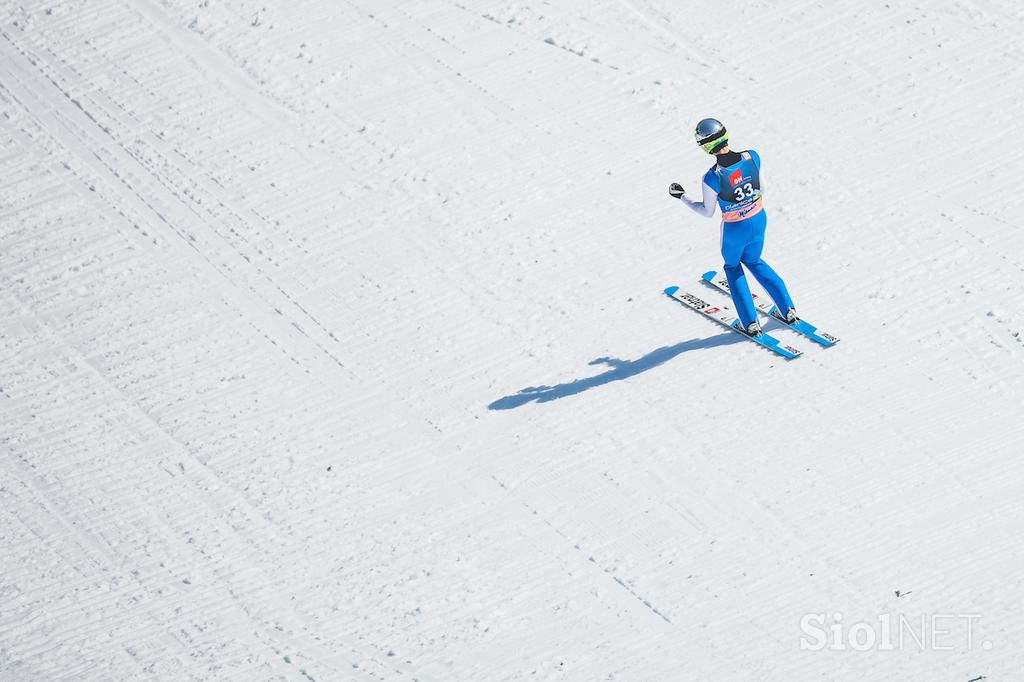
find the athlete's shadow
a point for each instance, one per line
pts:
(618, 370)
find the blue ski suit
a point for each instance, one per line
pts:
(737, 190)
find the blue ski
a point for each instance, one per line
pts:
(772, 311)
(724, 316)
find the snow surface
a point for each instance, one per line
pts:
(333, 344)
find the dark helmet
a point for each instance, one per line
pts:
(711, 135)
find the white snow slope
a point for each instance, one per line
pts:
(333, 344)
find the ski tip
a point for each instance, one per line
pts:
(671, 290)
(709, 276)
(787, 351)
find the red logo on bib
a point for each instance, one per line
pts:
(736, 178)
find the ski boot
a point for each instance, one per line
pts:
(752, 329)
(789, 318)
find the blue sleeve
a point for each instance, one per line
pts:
(757, 158)
(711, 180)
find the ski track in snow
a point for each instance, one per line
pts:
(334, 345)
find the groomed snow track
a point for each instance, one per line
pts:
(333, 343)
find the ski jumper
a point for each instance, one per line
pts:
(736, 189)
